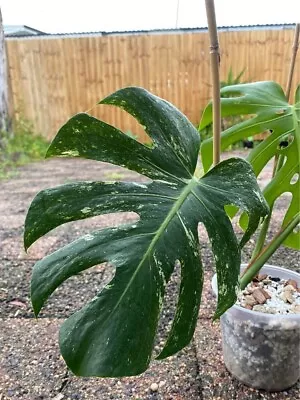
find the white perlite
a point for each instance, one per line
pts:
(271, 295)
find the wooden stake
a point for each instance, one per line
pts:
(293, 61)
(215, 65)
(4, 87)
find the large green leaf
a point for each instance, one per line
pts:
(270, 111)
(113, 335)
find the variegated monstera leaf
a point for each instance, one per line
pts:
(269, 111)
(113, 334)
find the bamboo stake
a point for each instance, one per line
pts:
(293, 61)
(215, 65)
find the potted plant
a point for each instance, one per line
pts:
(113, 334)
(261, 344)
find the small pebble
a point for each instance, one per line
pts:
(291, 282)
(259, 296)
(287, 297)
(260, 308)
(250, 300)
(261, 277)
(154, 387)
(266, 294)
(295, 308)
(289, 288)
(60, 396)
(271, 310)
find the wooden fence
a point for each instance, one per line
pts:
(53, 78)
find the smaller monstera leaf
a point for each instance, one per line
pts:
(271, 112)
(113, 334)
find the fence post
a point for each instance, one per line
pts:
(5, 122)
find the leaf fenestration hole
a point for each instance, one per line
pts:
(294, 179)
(297, 229)
(66, 300)
(235, 214)
(284, 161)
(232, 120)
(86, 226)
(122, 120)
(90, 224)
(231, 94)
(205, 247)
(168, 310)
(285, 142)
(282, 203)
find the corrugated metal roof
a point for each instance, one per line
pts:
(150, 31)
(21, 31)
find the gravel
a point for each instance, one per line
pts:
(271, 295)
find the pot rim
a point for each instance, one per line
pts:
(265, 315)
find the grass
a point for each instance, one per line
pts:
(20, 147)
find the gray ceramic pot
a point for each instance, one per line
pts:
(262, 350)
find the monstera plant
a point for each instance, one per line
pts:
(113, 334)
(270, 112)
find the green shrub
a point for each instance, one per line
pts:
(20, 147)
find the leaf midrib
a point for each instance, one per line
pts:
(186, 191)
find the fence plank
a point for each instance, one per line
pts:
(54, 78)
